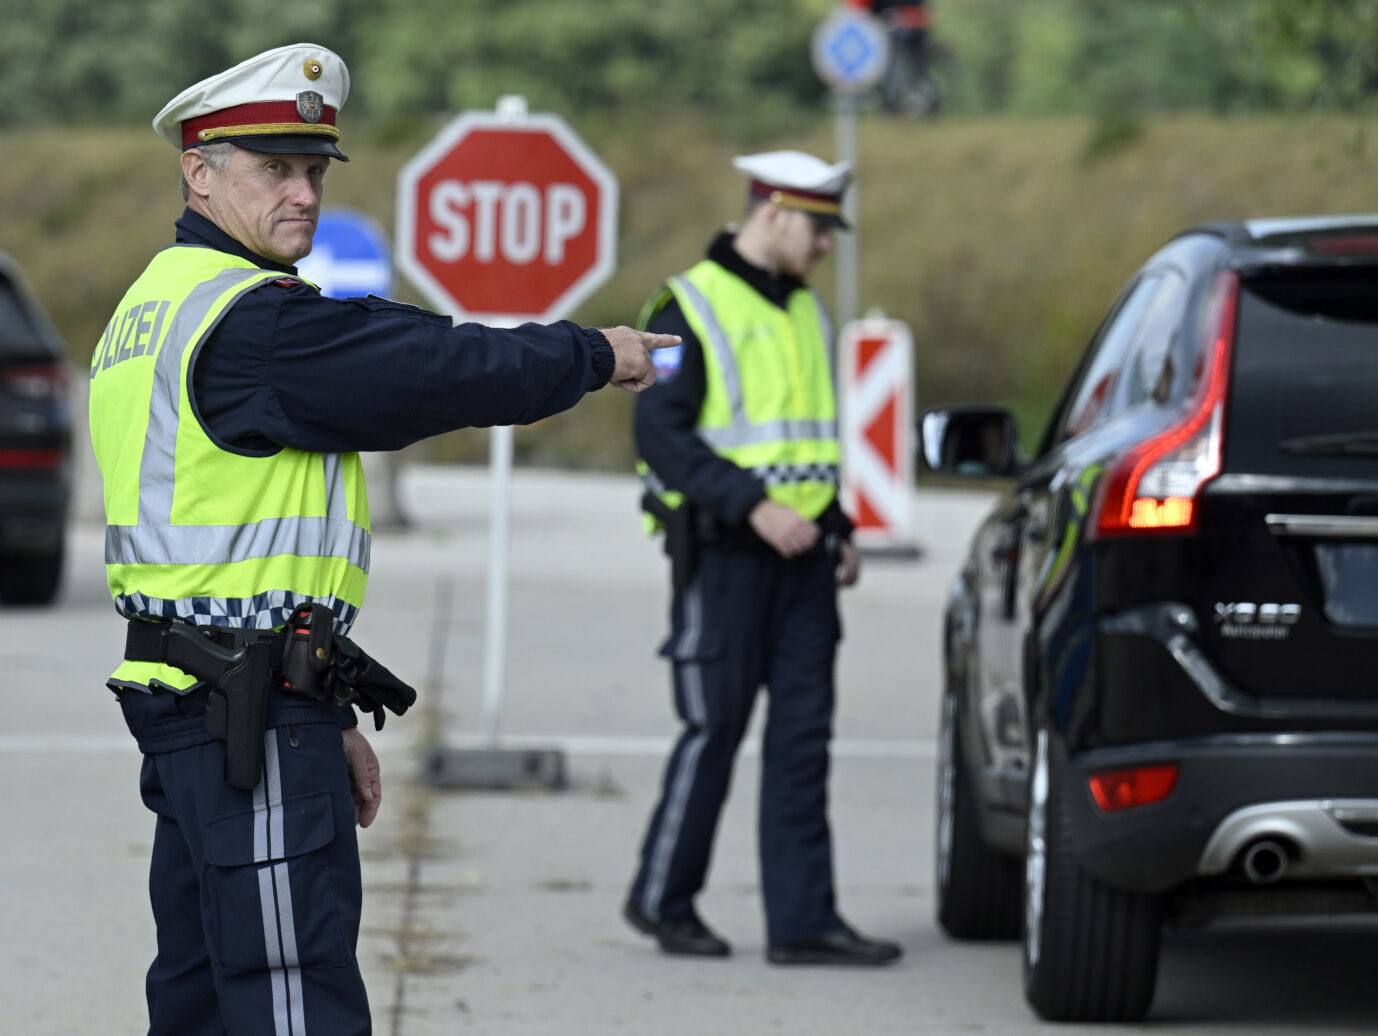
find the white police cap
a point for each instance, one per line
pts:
(797, 180)
(283, 101)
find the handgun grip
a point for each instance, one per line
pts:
(190, 651)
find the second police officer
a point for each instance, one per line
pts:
(740, 450)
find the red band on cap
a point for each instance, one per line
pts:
(251, 116)
(764, 190)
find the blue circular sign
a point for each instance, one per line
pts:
(850, 50)
(349, 256)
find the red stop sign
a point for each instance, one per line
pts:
(505, 222)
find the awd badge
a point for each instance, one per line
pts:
(1245, 620)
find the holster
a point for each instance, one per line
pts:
(237, 714)
(681, 536)
(237, 707)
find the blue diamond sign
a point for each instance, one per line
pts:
(850, 50)
(349, 256)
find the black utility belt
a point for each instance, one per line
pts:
(243, 667)
(179, 644)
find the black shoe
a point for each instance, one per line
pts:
(691, 938)
(840, 946)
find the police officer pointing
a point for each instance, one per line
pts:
(229, 399)
(740, 449)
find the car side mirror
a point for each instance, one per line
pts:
(976, 441)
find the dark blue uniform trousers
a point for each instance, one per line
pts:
(256, 894)
(750, 618)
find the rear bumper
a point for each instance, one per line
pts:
(1322, 838)
(1308, 790)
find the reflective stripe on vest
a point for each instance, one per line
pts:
(225, 544)
(742, 432)
(793, 451)
(245, 537)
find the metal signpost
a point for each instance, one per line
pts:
(850, 50)
(505, 217)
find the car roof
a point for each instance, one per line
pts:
(1287, 228)
(1262, 231)
(1296, 240)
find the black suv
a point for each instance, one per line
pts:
(1160, 654)
(35, 445)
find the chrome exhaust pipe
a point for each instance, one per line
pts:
(1265, 861)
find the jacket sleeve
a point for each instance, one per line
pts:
(290, 367)
(666, 417)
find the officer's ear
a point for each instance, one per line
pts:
(767, 215)
(196, 173)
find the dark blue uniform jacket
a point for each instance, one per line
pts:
(288, 366)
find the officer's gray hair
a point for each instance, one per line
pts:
(217, 156)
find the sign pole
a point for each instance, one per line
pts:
(849, 50)
(495, 629)
(511, 111)
(505, 217)
(848, 245)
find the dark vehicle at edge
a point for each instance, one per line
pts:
(1160, 704)
(35, 445)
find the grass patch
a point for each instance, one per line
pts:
(994, 239)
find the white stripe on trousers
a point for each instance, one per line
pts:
(680, 786)
(275, 898)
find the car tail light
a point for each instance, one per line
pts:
(1344, 244)
(1125, 789)
(48, 381)
(1156, 484)
(30, 459)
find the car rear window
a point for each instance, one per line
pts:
(1304, 394)
(20, 336)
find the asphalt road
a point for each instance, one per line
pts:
(498, 912)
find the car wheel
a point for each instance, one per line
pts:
(977, 888)
(30, 580)
(1090, 951)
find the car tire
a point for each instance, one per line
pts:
(977, 889)
(1090, 951)
(31, 580)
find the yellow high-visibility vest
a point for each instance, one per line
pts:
(196, 531)
(769, 404)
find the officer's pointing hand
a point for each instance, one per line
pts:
(634, 370)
